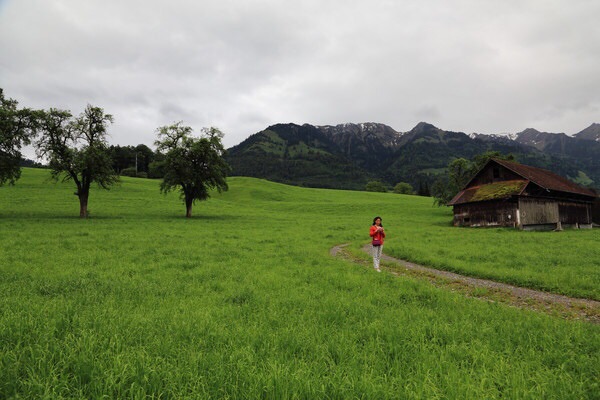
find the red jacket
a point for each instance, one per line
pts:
(376, 235)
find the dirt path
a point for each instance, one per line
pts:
(555, 304)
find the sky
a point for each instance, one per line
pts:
(482, 66)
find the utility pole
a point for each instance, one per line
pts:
(136, 164)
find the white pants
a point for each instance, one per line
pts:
(377, 251)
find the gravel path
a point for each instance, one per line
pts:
(527, 298)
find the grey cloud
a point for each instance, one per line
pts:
(242, 65)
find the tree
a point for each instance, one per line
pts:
(458, 173)
(122, 157)
(77, 150)
(136, 159)
(17, 127)
(375, 186)
(156, 169)
(441, 191)
(194, 165)
(145, 156)
(480, 160)
(403, 188)
(424, 189)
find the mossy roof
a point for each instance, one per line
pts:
(491, 191)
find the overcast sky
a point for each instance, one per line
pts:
(463, 65)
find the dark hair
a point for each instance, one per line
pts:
(375, 219)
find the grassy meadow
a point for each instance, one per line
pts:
(244, 300)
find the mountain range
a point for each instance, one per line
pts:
(347, 156)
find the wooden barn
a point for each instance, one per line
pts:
(596, 212)
(505, 193)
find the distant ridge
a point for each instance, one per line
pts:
(592, 132)
(348, 155)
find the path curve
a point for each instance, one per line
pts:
(523, 297)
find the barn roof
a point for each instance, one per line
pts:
(545, 179)
(505, 189)
(491, 191)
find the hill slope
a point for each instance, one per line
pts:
(299, 155)
(348, 155)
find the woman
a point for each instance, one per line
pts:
(377, 234)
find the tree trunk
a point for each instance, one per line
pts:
(188, 207)
(83, 205)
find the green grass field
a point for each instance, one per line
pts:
(244, 301)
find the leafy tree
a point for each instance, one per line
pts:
(122, 157)
(375, 186)
(26, 162)
(77, 150)
(424, 189)
(17, 127)
(145, 156)
(156, 169)
(441, 191)
(194, 165)
(403, 188)
(583, 180)
(459, 172)
(480, 160)
(129, 172)
(130, 158)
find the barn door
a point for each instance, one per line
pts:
(538, 211)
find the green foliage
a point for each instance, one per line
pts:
(480, 160)
(403, 188)
(156, 169)
(319, 157)
(192, 165)
(128, 172)
(77, 150)
(583, 179)
(459, 172)
(424, 189)
(145, 156)
(295, 155)
(375, 186)
(17, 127)
(243, 300)
(124, 157)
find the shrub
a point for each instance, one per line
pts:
(128, 171)
(131, 172)
(403, 188)
(375, 186)
(156, 169)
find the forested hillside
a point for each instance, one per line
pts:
(349, 155)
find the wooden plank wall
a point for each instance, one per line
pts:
(596, 211)
(538, 211)
(575, 213)
(500, 213)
